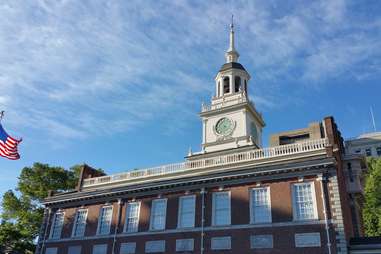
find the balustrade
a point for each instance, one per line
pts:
(230, 159)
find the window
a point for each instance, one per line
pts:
(260, 205)
(56, 229)
(80, 223)
(221, 243)
(186, 211)
(158, 213)
(350, 171)
(378, 150)
(245, 86)
(358, 151)
(104, 221)
(132, 217)
(74, 250)
(253, 130)
(237, 84)
(155, 246)
(226, 85)
(51, 251)
(304, 203)
(307, 240)
(100, 249)
(261, 241)
(127, 248)
(184, 245)
(368, 152)
(221, 208)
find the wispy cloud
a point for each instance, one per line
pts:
(71, 69)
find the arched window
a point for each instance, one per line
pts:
(226, 85)
(245, 86)
(237, 84)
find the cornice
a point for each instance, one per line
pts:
(227, 176)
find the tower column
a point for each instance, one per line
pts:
(231, 84)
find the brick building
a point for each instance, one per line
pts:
(299, 195)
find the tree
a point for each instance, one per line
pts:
(12, 240)
(372, 206)
(22, 210)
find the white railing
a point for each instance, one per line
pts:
(226, 101)
(223, 160)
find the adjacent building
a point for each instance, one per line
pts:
(299, 195)
(367, 144)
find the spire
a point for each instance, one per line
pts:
(231, 54)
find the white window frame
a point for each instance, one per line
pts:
(252, 221)
(179, 243)
(179, 222)
(75, 222)
(74, 247)
(214, 208)
(98, 245)
(219, 238)
(125, 228)
(100, 219)
(160, 243)
(128, 244)
(53, 225)
(151, 224)
(294, 206)
(254, 246)
(51, 250)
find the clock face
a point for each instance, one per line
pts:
(224, 126)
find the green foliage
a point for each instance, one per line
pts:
(12, 239)
(35, 182)
(372, 206)
(22, 212)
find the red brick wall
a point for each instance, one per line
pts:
(281, 203)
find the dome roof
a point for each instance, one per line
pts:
(232, 65)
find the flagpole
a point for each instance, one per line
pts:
(1, 115)
(372, 115)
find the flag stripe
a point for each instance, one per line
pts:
(8, 145)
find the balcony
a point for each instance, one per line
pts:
(227, 100)
(211, 162)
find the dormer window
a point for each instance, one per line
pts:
(237, 84)
(226, 85)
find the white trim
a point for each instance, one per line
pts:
(180, 209)
(251, 204)
(165, 214)
(75, 222)
(198, 229)
(313, 193)
(256, 171)
(100, 219)
(228, 240)
(214, 206)
(125, 220)
(53, 225)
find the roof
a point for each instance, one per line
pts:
(232, 65)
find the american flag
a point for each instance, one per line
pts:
(8, 145)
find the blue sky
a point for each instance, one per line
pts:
(119, 84)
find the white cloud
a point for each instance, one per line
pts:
(77, 68)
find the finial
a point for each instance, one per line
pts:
(231, 54)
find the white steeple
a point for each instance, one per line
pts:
(231, 54)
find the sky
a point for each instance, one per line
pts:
(119, 84)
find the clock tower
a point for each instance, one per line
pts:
(231, 120)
